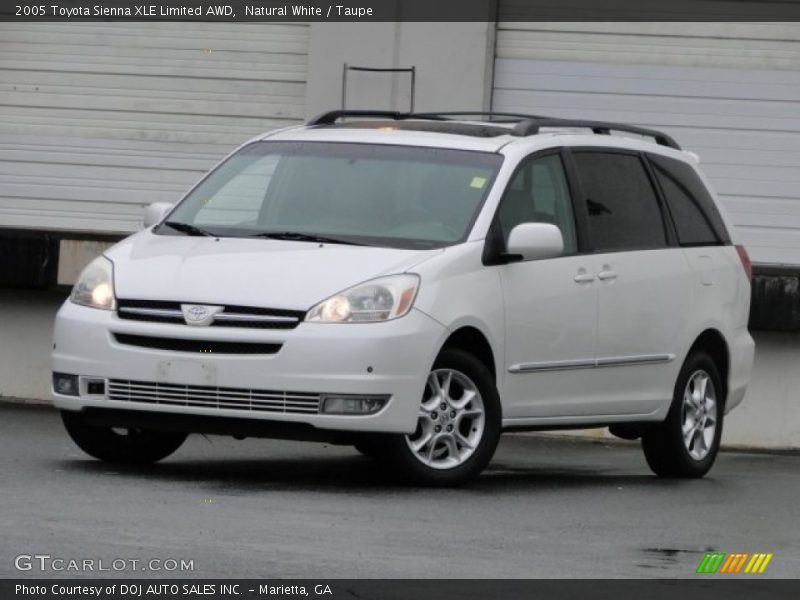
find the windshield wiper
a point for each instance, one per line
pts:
(296, 236)
(188, 229)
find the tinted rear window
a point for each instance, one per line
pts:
(697, 220)
(624, 212)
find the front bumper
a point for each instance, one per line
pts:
(375, 359)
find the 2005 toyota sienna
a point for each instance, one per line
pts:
(415, 285)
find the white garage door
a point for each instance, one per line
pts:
(100, 119)
(730, 92)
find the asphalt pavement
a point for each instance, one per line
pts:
(546, 507)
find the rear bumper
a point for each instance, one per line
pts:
(742, 353)
(377, 359)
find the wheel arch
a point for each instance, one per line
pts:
(713, 342)
(472, 340)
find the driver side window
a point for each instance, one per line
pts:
(539, 193)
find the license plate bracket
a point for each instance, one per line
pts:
(186, 372)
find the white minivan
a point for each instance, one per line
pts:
(415, 285)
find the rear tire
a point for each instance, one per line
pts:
(686, 444)
(458, 426)
(123, 446)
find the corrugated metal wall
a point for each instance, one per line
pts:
(100, 119)
(728, 91)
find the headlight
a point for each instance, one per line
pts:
(376, 300)
(95, 285)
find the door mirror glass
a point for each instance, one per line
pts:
(532, 241)
(153, 213)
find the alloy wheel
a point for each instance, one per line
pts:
(451, 420)
(699, 415)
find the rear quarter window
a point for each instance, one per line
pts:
(696, 218)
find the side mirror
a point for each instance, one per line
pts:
(534, 241)
(153, 213)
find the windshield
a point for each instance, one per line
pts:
(399, 196)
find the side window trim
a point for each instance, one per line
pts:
(670, 229)
(583, 231)
(494, 240)
(666, 220)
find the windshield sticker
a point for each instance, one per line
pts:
(478, 183)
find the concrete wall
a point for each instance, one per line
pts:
(768, 418)
(25, 342)
(770, 413)
(453, 72)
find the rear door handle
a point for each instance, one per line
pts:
(606, 275)
(584, 278)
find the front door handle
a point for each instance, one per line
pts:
(606, 275)
(584, 278)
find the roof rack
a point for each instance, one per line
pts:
(525, 124)
(532, 126)
(330, 117)
(506, 117)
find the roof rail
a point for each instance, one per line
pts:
(525, 124)
(507, 116)
(330, 117)
(532, 127)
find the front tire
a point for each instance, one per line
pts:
(118, 445)
(686, 444)
(458, 425)
(373, 447)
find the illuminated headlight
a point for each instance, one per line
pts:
(95, 286)
(376, 300)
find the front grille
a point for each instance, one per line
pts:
(197, 346)
(202, 396)
(231, 315)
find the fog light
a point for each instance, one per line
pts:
(96, 387)
(64, 384)
(353, 405)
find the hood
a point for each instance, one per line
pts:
(247, 272)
